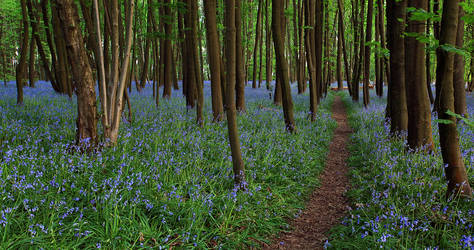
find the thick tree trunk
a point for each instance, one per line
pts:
(213, 58)
(419, 112)
(397, 105)
(21, 67)
(230, 53)
(86, 122)
(458, 183)
(460, 106)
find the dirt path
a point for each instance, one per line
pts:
(327, 204)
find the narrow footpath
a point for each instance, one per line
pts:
(328, 203)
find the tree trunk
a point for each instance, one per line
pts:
(460, 106)
(168, 50)
(428, 61)
(213, 58)
(31, 64)
(397, 111)
(268, 45)
(343, 41)
(230, 53)
(318, 63)
(419, 111)
(340, 84)
(458, 183)
(282, 64)
(309, 46)
(86, 122)
(240, 84)
(257, 41)
(368, 38)
(21, 67)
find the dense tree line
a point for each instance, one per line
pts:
(404, 44)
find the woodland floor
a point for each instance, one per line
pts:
(328, 203)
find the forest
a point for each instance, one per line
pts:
(228, 124)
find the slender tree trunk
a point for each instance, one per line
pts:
(213, 58)
(340, 84)
(282, 64)
(419, 113)
(257, 41)
(31, 64)
(21, 67)
(240, 64)
(168, 51)
(86, 122)
(343, 42)
(368, 38)
(460, 106)
(197, 71)
(319, 48)
(230, 47)
(309, 46)
(455, 170)
(396, 16)
(268, 45)
(149, 29)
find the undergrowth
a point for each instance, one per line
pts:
(398, 197)
(168, 182)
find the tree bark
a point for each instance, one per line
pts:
(230, 47)
(86, 122)
(31, 64)
(310, 58)
(213, 57)
(458, 183)
(397, 104)
(460, 106)
(268, 47)
(168, 50)
(419, 111)
(257, 41)
(343, 41)
(282, 64)
(21, 67)
(240, 63)
(340, 84)
(368, 38)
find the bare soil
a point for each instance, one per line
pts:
(327, 204)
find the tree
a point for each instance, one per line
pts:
(310, 58)
(240, 63)
(368, 38)
(168, 50)
(257, 41)
(449, 138)
(460, 106)
(397, 104)
(21, 67)
(86, 122)
(214, 58)
(230, 52)
(418, 103)
(282, 64)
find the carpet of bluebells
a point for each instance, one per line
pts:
(399, 196)
(168, 183)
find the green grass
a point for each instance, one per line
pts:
(398, 197)
(167, 183)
